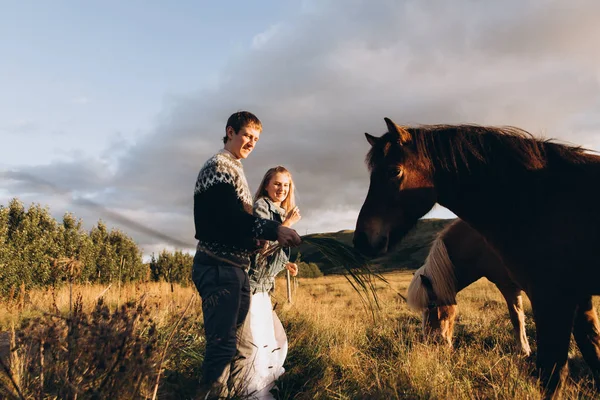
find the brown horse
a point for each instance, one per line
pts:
(534, 201)
(458, 257)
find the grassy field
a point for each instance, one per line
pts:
(338, 350)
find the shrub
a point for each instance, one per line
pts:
(308, 270)
(102, 354)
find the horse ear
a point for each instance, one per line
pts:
(403, 135)
(371, 139)
(426, 281)
(428, 288)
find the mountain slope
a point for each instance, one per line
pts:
(409, 254)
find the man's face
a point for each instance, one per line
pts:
(242, 143)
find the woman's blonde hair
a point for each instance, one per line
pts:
(290, 201)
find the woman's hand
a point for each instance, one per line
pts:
(292, 217)
(293, 268)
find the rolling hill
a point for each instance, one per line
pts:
(409, 254)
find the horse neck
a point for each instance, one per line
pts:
(465, 258)
(497, 186)
(466, 273)
(494, 215)
(478, 200)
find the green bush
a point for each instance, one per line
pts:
(35, 250)
(308, 270)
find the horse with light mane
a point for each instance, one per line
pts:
(458, 257)
(534, 201)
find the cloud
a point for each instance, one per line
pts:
(263, 38)
(82, 100)
(321, 79)
(21, 126)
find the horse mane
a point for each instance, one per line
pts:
(439, 269)
(453, 147)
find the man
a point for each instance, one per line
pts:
(227, 234)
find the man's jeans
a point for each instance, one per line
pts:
(225, 293)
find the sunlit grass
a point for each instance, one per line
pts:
(351, 356)
(337, 349)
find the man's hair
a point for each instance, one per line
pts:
(242, 119)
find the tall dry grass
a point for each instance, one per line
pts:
(337, 350)
(91, 342)
(38, 302)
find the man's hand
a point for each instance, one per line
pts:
(263, 246)
(288, 237)
(293, 268)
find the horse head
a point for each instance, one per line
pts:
(401, 191)
(438, 319)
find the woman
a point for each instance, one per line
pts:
(274, 200)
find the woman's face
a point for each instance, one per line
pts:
(278, 187)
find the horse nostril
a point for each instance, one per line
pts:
(364, 245)
(381, 246)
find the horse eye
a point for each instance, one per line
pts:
(396, 172)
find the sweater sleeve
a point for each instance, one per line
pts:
(219, 212)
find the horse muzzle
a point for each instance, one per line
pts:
(366, 245)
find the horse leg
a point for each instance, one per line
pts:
(554, 322)
(586, 330)
(447, 316)
(514, 301)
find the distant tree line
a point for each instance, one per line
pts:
(307, 269)
(32, 243)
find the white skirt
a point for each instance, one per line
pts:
(270, 347)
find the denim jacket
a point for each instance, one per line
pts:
(262, 277)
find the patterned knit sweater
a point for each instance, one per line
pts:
(225, 227)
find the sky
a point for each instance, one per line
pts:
(120, 103)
